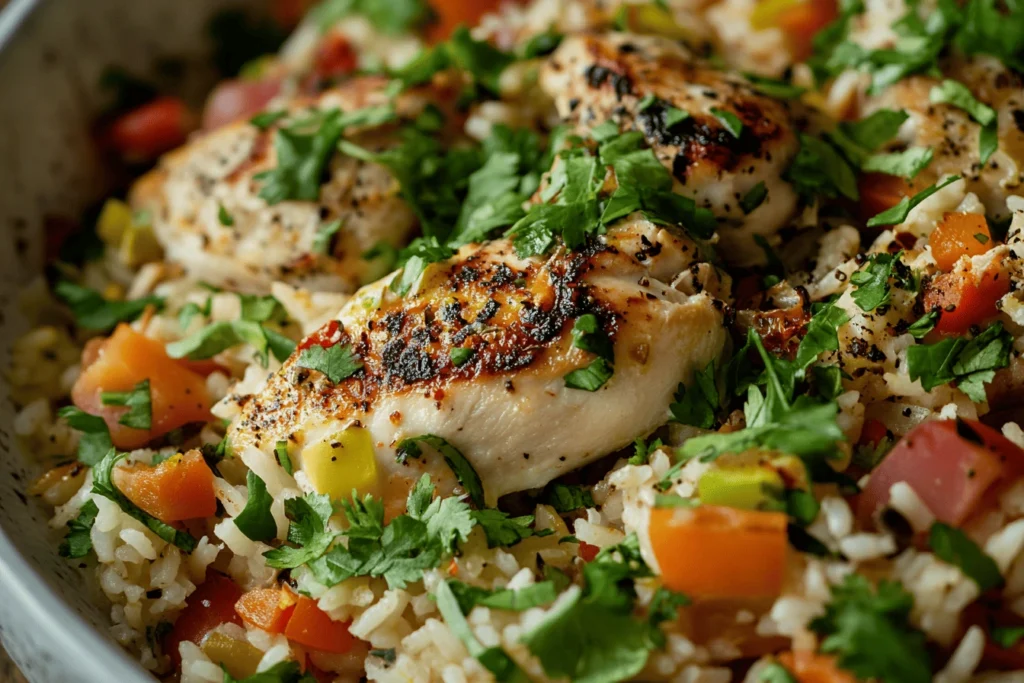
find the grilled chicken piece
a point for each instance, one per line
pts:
(192, 190)
(954, 136)
(595, 79)
(507, 408)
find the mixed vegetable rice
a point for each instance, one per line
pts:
(546, 340)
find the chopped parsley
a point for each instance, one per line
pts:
(897, 214)
(958, 95)
(920, 328)
(281, 452)
(220, 336)
(323, 240)
(697, 404)
(728, 119)
(642, 450)
(754, 198)
(819, 169)
(103, 485)
(872, 283)
(566, 497)
(309, 533)
(460, 356)
(870, 632)
(94, 312)
(512, 600)
(782, 90)
(393, 17)
(94, 441)
(223, 217)
(457, 462)
(260, 309)
(590, 377)
(415, 258)
(139, 403)
(337, 362)
(266, 119)
(501, 529)
(78, 541)
(191, 309)
(968, 363)
(954, 546)
(256, 520)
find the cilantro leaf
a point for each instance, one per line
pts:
(417, 256)
(78, 541)
(697, 404)
(393, 18)
(449, 520)
(822, 335)
(494, 659)
(281, 451)
(781, 90)
(876, 129)
(94, 441)
(223, 217)
(103, 485)
(920, 328)
(303, 150)
(969, 363)
(590, 377)
(872, 283)
(955, 547)
(256, 520)
(323, 240)
(260, 309)
(870, 632)
(905, 164)
(728, 119)
(642, 450)
(502, 530)
(1007, 636)
(191, 309)
(897, 214)
(222, 335)
(282, 672)
(774, 672)
(754, 198)
(457, 462)
(309, 531)
(138, 401)
(337, 362)
(94, 312)
(516, 600)
(266, 119)
(960, 96)
(566, 498)
(819, 169)
(588, 336)
(460, 356)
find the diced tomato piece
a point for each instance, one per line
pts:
(238, 99)
(327, 336)
(267, 608)
(809, 667)
(697, 549)
(177, 489)
(335, 56)
(178, 395)
(288, 13)
(880, 191)
(963, 301)
(310, 626)
(211, 604)
(802, 21)
(959, 234)
(950, 464)
(452, 13)
(588, 552)
(873, 432)
(156, 127)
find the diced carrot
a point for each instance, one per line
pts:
(267, 608)
(963, 301)
(335, 56)
(588, 552)
(310, 626)
(809, 667)
(959, 234)
(178, 395)
(156, 127)
(177, 489)
(452, 13)
(879, 191)
(210, 605)
(697, 549)
(873, 432)
(802, 21)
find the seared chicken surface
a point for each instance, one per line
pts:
(208, 214)
(508, 408)
(685, 109)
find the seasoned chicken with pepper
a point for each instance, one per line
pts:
(237, 209)
(479, 353)
(956, 136)
(726, 145)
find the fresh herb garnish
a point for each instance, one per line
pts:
(337, 362)
(309, 532)
(223, 217)
(460, 356)
(566, 498)
(94, 441)
(897, 214)
(728, 119)
(256, 520)
(697, 404)
(281, 452)
(969, 363)
(516, 600)
(324, 237)
(78, 541)
(955, 547)
(872, 283)
(222, 335)
(138, 401)
(457, 462)
(93, 312)
(754, 198)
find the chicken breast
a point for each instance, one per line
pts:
(653, 85)
(954, 136)
(508, 408)
(208, 215)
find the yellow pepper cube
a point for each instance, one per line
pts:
(342, 462)
(238, 657)
(747, 488)
(114, 221)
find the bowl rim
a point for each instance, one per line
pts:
(96, 658)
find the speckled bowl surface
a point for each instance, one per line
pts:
(52, 53)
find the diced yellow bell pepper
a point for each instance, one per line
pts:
(255, 69)
(114, 221)
(343, 462)
(237, 656)
(139, 246)
(652, 19)
(747, 487)
(767, 11)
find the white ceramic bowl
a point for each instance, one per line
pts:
(52, 53)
